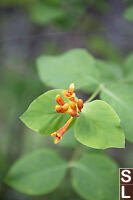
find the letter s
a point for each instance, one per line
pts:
(125, 173)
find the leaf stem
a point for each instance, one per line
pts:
(95, 93)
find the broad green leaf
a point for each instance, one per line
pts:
(128, 14)
(75, 66)
(99, 126)
(41, 115)
(37, 173)
(43, 14)
(109, 72)
(120, 97)
(129, 68)
(95, 176)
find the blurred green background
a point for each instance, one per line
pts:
(30, 28)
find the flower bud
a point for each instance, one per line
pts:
(59, 100)
(80, 104)
(59, 109)
(72, 99)
(66, 106)
(73, 105)
(73, 113)
(71, 87)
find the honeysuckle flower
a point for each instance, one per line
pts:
(58, 134)
(72, 108)
(70, 92)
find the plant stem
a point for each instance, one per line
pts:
(95, 93)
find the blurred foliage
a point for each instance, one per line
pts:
(43, 14)
(105, 49)
(128, 14)
(15, 2)
(63, 14)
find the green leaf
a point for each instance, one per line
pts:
(75, 66)
(43, 14)
(109, 72)
(37, 173)
(41, 115)
(79, 67)
(120, 97)
(99, 126)
(95, 176)
(128, 14)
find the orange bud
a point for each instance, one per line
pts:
(72, 99)
(73, 105)
(80, 104)
(66, 106)
(59, 100)
(73, 113)
(59, 109)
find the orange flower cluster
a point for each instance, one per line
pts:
(73, 108)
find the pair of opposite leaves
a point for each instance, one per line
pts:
(98, 125)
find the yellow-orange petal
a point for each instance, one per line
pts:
(66, 106)
(56, 140)
(68, 94)
(72, 96)
(64, 92)
(53, 134)
(71, 87)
